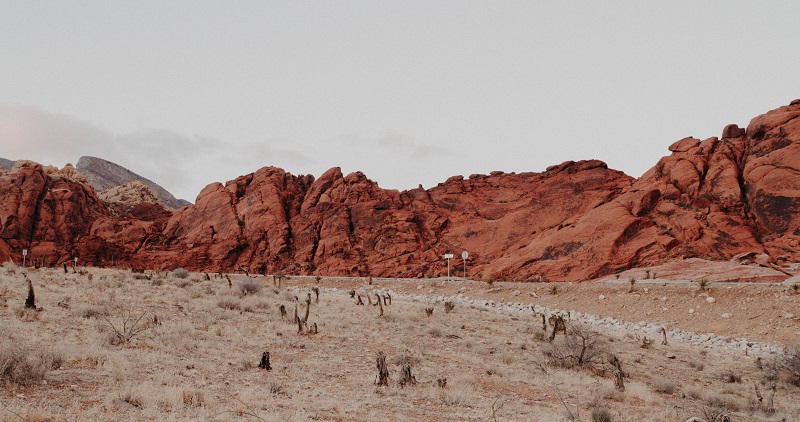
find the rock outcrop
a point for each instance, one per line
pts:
(130, 195)
(720, 198)
(104, 174)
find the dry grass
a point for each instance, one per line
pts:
(198, 358)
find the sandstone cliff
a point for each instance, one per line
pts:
(715, 199)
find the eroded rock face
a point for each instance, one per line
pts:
(47, 211)
(130, 195)
(714, 199)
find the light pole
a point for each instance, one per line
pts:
(25, 255)
(464, 256)
(76, 262)
(448, 257)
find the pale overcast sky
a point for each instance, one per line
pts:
(188, 93)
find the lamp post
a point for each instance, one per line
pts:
(464, 256)
(24, 255)
(76, 262)
(448, 257)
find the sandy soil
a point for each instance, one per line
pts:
(197, 357)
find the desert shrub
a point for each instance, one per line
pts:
(448, 306)
(789, 365)
(94, 311)
(580, 347)
(732, 378)
(664, 387)
(601, 414)
(228, 302)
(248, 286)
(183, 283)
(721, 401)
(24, 365)
(128, 326)
(697, 366)
(180, 273)
(27, 314)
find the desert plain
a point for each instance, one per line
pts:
(113, 344)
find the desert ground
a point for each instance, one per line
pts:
(112, 344)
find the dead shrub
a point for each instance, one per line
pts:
(601, 414)
(27, 314)
(228, 302)
(94, 312)
(24, 365)
(789, 365)
(664, 387)
(180, 273)
(248, 286)
(580, 347)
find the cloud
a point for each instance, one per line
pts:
(182, 164)
(397, 143)
(399, 146)
(29, 133)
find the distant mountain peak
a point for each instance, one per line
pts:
(103, 174)
(6, 164)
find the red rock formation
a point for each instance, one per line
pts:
(713, 199)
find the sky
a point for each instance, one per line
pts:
(188, 93)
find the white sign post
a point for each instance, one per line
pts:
(24, 255)
(448, 257)
(464, 256)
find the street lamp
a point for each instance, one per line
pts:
(464, 256)
(448, 257)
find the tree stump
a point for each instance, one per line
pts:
(383, 371)
(30, 302)
(308, 308)
(265, 361)
(558, 324)
(406, 377)
(619, 375)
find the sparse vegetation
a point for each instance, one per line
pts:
(601, 414)
(180, 273)
(200, 361)
(664, 387)
(21, 364)
(248, 286)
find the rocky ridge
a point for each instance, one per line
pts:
(103, 174)
(6, 164)
(715, 199)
